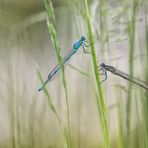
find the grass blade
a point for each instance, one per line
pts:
(97, 78)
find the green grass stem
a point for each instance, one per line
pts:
(53, 109)
(132, 26)
(104, 114)
(78, 70)
(51, 23)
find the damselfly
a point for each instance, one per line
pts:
(82, 42)
(104, 68)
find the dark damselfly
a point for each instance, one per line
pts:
(104, 68)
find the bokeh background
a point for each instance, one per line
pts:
(119, 28)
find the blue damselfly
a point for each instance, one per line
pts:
(82, 42)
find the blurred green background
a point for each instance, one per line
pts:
(121, 39)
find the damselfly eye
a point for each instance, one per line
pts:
(102, 65)
(83, 38)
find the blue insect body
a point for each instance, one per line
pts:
(82, 42)
(77, 45)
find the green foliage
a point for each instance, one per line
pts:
(52, 107)
(104, 115)
(34, 122)
(51, 23)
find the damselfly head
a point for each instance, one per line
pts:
(102, 65)
(83, 38)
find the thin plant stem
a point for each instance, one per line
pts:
(52, 108)
(51, 23)
(132, 26)
(104, 115)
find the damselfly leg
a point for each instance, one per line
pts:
(85, 46)
(104, 73)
